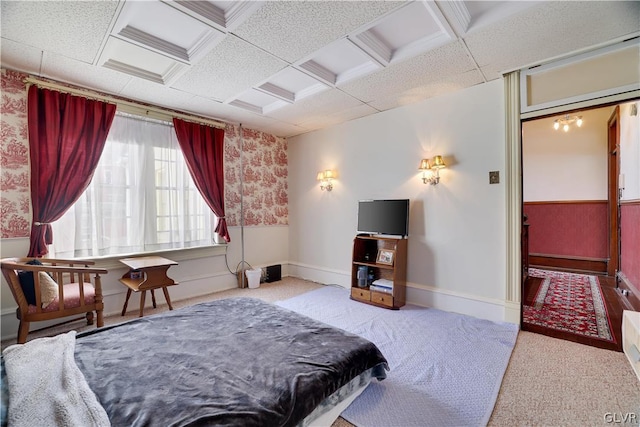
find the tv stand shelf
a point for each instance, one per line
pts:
(373, 264)
(365, 254)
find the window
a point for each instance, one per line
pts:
(141, 197)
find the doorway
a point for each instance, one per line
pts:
(570, 167)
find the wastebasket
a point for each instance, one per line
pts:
(253, 277)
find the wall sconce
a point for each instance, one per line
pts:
(426, 167)
(326, 179)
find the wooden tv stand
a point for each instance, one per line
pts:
(365, 253)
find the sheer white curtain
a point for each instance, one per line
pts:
(141, 197)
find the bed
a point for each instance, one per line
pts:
(236, 361)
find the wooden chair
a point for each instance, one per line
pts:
(76, 294)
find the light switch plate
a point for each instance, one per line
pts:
(494, 177)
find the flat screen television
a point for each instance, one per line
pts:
(388, 217)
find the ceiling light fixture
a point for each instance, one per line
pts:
(566, 121)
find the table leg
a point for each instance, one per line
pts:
(126, 301)
(166, 296)
(153, 298)
(144, 293)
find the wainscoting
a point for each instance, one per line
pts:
(577, 264)
(630, 249)
(569, 235)
(630, 245)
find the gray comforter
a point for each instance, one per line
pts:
(237, 361)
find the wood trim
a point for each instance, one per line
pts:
(631, 202)
(566, 202)
(586, 265)
(613, 195)
(633, 299)
(513, 190)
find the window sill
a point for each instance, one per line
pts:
(113, 261)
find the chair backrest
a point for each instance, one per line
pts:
(63, 272)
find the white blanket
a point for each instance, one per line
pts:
(47, 388)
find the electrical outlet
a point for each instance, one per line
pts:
(494, 177)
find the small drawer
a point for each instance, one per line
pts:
(361, 294)
(382, 298)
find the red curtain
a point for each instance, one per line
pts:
(203, 149)
(66, 138)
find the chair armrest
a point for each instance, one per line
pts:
(76, 272)
(58, 268)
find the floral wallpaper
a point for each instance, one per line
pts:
(264, 177)
(263, 166)
(14, 157)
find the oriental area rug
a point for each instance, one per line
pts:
(569, 302)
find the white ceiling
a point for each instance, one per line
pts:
(289, 67)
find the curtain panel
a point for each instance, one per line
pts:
(66, 137)
(141, 198)
(203, 149)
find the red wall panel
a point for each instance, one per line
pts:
(630, 242)
(571, 229)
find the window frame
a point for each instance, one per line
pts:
(214, 248)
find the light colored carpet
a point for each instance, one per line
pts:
(548, 382)
(553, 382)
(445, 368)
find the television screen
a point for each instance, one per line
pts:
(389, 217)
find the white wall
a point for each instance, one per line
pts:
(263, 246)
(558, 165)
(457, 237)
(630, 150)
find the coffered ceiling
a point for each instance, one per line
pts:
(289, 67)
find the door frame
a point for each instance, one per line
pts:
(613, 168)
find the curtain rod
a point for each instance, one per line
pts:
(129, 106)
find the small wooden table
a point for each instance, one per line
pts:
(146, 274)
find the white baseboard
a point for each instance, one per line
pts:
(456, 302)
(199, 285)
(423, 295)
(512, 312)
(320, 274)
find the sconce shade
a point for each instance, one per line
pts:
(430, 171)
(326, 177)
(438, 163)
